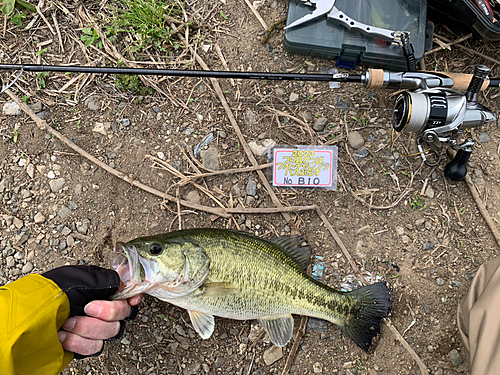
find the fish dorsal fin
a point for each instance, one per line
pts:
(292, 245)
(203, 323)
(279, 330)
(219, 289)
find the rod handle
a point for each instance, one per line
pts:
(461, 81)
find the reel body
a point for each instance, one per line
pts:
(440, 115)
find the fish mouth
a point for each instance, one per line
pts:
(132, 269)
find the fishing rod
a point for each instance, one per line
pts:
(372, 78)
(431, 105)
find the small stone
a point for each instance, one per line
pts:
(8, 251)
(427, 246)
(25, 193)
(39, 218)
(64, 212)
(51, 175)
(468, 277)
(6, 183)
(78, 189)
(455, 357)
(405, 239)
(308, 117)
(70, 241)
(125, 122)
(42, 115)
(439, 281)
(12, 109)
(430, 348)
(251, 186)
(222, 134)
(94, 102)
(57, 184)
(36, 107)
(210, 158)
(100, 128)
(72, 205)
(356, 140)
(205, 367)
(429, 192)
(194, 197)
(160, 155)
(456, 284)
(249, 200)
(419, 222)
(273, 354)
(65, 231)
(83, 226)
(11, 262)
(192, 369)
(18, 223)
(363, 153)
(318, 368)
(250, 117)
(27, 268)
(30, 170)
(294, 97)
(125, 341)
(320, 124)
(260, 150)
(269, 47)
(279, 92)
(484, 138)
(400, 231)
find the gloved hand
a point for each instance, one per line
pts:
(87, 287)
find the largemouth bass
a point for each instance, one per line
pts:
(236, 275)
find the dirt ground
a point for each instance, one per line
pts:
(58, 208)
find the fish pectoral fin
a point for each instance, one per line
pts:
(219, 289)
(279, 329)
(203, 323)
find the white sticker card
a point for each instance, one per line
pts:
(305, 166)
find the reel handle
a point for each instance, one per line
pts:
(478, 78)
(456, 169)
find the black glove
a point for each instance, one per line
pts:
(83, 284)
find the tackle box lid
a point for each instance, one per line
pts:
(327, 38)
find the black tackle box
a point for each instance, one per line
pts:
(329, 39)
(465, 14)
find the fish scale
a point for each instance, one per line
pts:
(248, 278)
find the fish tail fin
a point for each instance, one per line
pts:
(373, 304)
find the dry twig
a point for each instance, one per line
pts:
(254, 11)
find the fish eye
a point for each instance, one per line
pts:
(155, 249)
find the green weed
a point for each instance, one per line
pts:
(90, 36)
(132, 83)
(41, 79)
(417, 203)
(149, 21)
(7, 7)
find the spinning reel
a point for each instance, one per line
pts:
(439, 116)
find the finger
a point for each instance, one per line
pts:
(108, 310)
(135, 300)
(92, 328)
(77, 344)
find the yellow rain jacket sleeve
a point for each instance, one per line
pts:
(32, 309)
